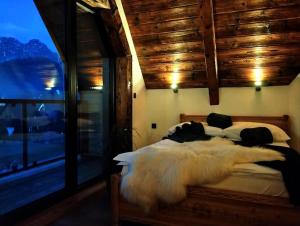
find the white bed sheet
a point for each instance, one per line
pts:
(249, 177)
(256, 179)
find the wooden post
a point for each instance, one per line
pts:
(114, 198)
(209, 43)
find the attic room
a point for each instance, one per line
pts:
(140, 112)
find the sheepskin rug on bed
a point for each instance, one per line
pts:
(162, 171)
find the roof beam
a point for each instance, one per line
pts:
(209, 43)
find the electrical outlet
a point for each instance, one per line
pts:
(153, 125)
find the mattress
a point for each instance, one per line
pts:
(253, 178)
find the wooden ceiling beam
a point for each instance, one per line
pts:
(97, 3)
(210, 50)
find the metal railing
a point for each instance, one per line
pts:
(25, 131)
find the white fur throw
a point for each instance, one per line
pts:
(163, 170)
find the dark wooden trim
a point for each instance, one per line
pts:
(114, 197)
(209, 42)
(71, 99)
(124, 104)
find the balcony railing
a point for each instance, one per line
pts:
(32, 132)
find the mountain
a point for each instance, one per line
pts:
(11, 48)
(29, 78)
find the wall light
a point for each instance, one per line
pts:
(258, 78)
(174, 87)
(174, 80)
(258, 85)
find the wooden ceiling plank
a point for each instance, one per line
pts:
(169, 38)
(231, 6)
(209, 42)
(264, 40)
(164, 15)
(148, 6)
(278, 60)
(173, 58)
(169, 49)
(235, 76)
(183, 85)
(260, 51)
(190, 75)
(254, 29)
(165, 27)
(169, 67)
(255, 16)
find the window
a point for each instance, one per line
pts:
(34, 162)
(32, 107)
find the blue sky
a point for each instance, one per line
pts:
(20, 19)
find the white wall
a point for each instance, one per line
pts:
(294, 112)
(139, 115)
(164, 106)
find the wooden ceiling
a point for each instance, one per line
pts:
(254, 40)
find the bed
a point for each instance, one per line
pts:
(210, 205)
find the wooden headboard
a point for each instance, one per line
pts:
(281, 121)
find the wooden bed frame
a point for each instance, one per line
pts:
(210, 206)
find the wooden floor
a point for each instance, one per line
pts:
(37, 183)
(88, 208)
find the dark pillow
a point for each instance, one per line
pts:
(189, 132)
(218, 120)
(256, 136)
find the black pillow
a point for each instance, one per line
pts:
(189, 132)
(218, 120)
(256, 136)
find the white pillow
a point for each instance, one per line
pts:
(213, 131)
(233, 132)
(209, 130)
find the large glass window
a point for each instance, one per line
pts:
(32, 105)
(92, 75)
(33, 114)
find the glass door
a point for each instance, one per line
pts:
(54, 132)
(93, 87)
